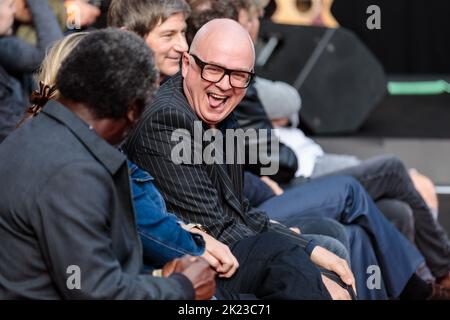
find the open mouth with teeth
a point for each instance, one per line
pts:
(216, 100)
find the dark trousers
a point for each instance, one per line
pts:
(400, 214)
(387, 177)
(357, 242)
(271, 266)
(364, 258)
(344, 199)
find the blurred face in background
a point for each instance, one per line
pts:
(168, 42)
(249, 19)
(7, 10)
(22, 13)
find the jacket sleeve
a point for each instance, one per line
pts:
(12, 104)
(75, 218)
(250, 114)
(187, 188)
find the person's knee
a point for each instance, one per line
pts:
(352, 186)
(392, 164)
(399, 214)
(337, 231)
(346, 181)
(331, 244)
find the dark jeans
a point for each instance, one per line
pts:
(345, 200)
(399, 213)
(387, 177)
(271, 266)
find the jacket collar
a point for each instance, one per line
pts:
(105, 153)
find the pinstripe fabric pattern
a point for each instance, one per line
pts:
(209, 194)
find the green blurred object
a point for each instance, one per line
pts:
(419, 88)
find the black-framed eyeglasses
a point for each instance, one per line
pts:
(214, 73)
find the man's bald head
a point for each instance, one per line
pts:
(223, 34)
(218, 69)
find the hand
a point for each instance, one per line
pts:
(273, 185)
(87, 12)
(218, 255)
(198, 271)
(335, 290)
(328, 260)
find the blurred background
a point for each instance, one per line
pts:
(386, 72)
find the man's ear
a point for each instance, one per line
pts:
(134, 112)
(185, 64)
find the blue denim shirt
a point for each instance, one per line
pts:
(161, 235)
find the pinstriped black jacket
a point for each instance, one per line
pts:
(209, 194)
(70, 207)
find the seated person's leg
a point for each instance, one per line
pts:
(427, 190)
(322, 226)
(347, 202)
(330, 163)
(273, 267)
(330, 244)
(387, 177)
(399, 214)
(370, 286)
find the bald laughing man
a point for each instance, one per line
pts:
(211, 194)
